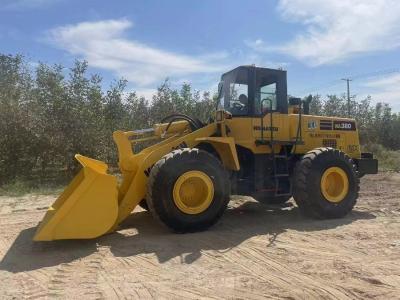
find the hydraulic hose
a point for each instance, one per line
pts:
(193, 123)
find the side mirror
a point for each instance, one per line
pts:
(306, 105)
(294, 101)
(219, 88)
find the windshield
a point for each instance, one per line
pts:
(234, 92)
(248, 91)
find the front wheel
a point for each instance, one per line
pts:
(326, 183)
(188, 190)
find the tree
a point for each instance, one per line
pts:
(17, 138)
(49, 113)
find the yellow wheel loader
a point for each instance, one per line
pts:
(260, 144)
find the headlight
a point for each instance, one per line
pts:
(220, 115)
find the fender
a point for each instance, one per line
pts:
(225, 146)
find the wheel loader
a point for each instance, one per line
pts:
(260, 143)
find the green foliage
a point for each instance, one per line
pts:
(49, 114)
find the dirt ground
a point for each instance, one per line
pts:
(255, 251)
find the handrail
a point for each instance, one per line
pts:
(262, 118)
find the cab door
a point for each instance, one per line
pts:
(269, 120)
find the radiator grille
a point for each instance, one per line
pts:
(329, 143)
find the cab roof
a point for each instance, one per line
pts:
(263, 69)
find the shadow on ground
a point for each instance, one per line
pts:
(237, 225)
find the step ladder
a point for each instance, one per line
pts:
(280, 174)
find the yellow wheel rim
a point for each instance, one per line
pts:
(334, 184)
(193, 192)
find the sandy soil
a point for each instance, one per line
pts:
(256, 251)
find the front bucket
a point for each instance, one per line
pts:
(87, 208)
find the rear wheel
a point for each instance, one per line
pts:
(326, 183)
(188, 190)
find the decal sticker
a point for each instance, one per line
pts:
(265, 128)
(312, 124)
(325, 135)
(352, 148)
(325, 124)
(344, 125)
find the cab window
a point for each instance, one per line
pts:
(234, 96)
(266, 99)
(239, 99)
(265, 95)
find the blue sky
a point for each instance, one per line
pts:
(317, 42)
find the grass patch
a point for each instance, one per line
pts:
(50, 182)
(19, 188)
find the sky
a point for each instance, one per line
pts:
(145, 42)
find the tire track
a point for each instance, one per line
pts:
(82, 276)
(280, 276)
(323, 288)
(31, 289)
(60, 280)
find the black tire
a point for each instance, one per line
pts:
(161, 183)
(307, 183)
(143, 204)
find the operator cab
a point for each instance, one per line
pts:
(249, 91)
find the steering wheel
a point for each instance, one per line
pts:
(242, 102)
(238, 105)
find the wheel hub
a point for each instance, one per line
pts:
(193, 192)
(334, 184)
